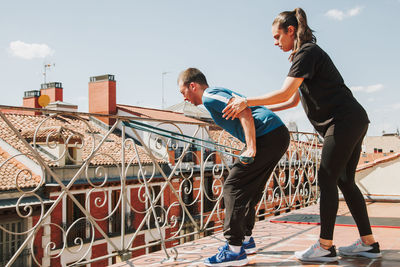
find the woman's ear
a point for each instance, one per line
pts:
(291, 30)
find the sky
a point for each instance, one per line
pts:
(230, 41)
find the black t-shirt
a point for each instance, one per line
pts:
(328, 102)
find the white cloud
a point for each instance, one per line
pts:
(335, 14)
(368, 89)
(30, 51)
(354, 11)
(340, 15)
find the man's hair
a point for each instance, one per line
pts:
(192, 75)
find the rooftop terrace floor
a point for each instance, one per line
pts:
(276, 242)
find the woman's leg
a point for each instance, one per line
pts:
(354, 198)
(339, 151)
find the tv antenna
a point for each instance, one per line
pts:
(45, 68)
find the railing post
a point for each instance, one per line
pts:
(202, 169)
(123, 251)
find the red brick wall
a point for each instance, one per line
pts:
(55, 262)
(102, 99)
(99, 212)
(55, 94)
(38, 250)
(56, 218)
(98, 251)
(139, 241)
(31, 102)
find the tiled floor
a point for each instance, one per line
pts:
(276, 243)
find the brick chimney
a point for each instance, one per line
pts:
(103, 96)
(54, 90)
(30, 100)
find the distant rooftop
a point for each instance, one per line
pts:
(105, 77)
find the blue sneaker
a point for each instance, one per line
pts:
(226, 257)
(249, 246)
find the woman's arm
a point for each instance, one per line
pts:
(289, 87)
(293, 102)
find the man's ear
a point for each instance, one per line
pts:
(193, 85)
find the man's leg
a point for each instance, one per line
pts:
(273, 146)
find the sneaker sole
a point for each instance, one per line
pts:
(319, 259)
(361, 254)
(250, 251)
(230, 263)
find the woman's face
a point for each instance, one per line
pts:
(285, 41)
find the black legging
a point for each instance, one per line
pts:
(340, 156)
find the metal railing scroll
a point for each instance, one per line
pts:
(85, 192)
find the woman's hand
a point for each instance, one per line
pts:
(232, 110)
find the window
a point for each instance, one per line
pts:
(155, 191)
(73, 214)
(155, 247)
(116, 217)
(72, 157)
(208, 194)
(9, 243)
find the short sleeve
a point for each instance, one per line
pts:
(303, 64)
(216, 100)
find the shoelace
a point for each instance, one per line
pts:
(222, 254)
(357, 243)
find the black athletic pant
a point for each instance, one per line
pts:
(244, 186)
(340, 156)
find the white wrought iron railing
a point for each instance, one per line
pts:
(88, 193)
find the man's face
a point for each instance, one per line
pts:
(189, 93)
(284, 40)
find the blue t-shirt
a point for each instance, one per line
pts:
(215, 100)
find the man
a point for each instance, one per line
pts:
(266, 139)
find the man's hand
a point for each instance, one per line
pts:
(247, 157)
(249, 153)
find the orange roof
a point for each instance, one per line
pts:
(159, 114)
(108, 154)
(12, 169)
(224, 138)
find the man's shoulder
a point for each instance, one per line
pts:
(218, 90)
(217, 94)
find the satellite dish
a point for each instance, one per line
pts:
(43, 100)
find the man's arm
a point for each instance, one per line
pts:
(247, 121)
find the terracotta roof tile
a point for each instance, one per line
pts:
(224, 138)
(108, 154)
(158, 114)
(12, 169)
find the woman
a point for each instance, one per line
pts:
(337, 116)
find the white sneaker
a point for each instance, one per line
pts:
(361, 249)
(317, 253)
